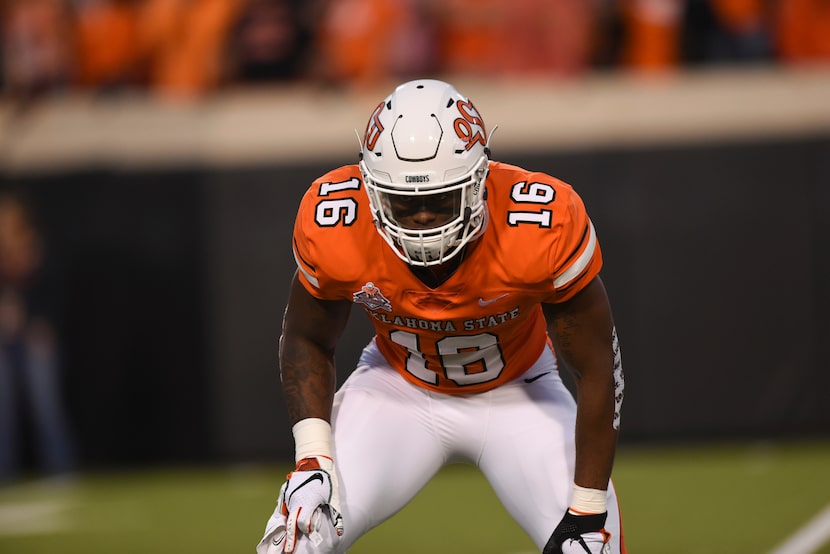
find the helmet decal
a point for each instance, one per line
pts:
(374, 128)
(469, 127)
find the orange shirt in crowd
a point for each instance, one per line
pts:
(470, 35)
(740, 15)
(652, 31)
(106, 38)
(355, 37)
(183, 43)
(530, 37)
(803, 30)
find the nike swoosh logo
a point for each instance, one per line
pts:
(531, 379)
(483, 302)
(315, 477)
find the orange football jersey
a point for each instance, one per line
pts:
(484, 325)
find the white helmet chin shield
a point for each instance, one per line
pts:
(425, 149)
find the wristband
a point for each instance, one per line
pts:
(312, 437)
(588, 501)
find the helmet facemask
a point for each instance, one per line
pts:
(458, 215)
(424, 163)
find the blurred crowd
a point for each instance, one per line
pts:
(187, 48)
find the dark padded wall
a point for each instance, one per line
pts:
(128, 249)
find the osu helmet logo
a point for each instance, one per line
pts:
(469, 127)
(374, 128)
(371, 297)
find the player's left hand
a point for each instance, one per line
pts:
(580, 534)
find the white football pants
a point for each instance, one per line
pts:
(391, 437)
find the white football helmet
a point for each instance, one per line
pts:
(425, 146)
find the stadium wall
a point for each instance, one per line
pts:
(177, 259)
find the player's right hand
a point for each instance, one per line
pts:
(307, 517)
(310, 500)
(580, 534)
(273, 542)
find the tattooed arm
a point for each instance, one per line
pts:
(310, 497)
(582, 331)
(310, 331)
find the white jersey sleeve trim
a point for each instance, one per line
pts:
(579, 265)
(311, 278)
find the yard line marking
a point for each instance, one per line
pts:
(809, 538)
(32, 518)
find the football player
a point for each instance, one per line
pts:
(481, 279)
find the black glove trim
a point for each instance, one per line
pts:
(573, 527)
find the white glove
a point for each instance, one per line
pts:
(274, 539)
(308, 507)
(580, 534)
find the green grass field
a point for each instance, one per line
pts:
(738, 499)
